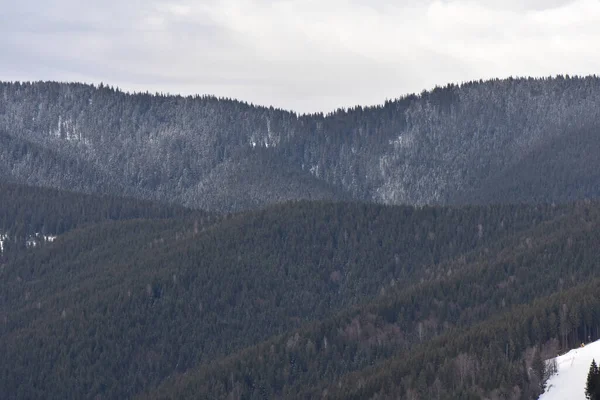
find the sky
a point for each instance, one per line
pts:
(304, 55)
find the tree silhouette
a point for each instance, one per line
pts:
(592, 386)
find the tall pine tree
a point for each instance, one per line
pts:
(592, 386)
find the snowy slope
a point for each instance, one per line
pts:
(573, 367)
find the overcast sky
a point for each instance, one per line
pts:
(306, 55)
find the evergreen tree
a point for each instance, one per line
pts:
(592, 386)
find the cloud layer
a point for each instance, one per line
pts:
(305, 55)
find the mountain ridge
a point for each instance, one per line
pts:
(457, 144)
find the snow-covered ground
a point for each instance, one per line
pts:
(573, 368)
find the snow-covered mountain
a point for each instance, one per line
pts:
(509, 141)
(569, 382)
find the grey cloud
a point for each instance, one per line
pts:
(306, 55)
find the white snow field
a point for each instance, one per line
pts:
(569, 382)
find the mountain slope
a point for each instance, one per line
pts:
(30, 209)
(29, 163)
(259, 178)
(494, 359)
(529, 295)
(494, 141)
(137, 301)
(561, 169)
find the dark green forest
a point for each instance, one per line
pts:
(298, 300)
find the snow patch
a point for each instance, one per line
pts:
(314, 170)
(265, 139)
(573, 367)
(3, 238)
(403, 141)
(68, 130)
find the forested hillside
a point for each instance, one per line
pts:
(300, 299)
(513, 140)
(27, 209)
(31, 215)
(475, 331)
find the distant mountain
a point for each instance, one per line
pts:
(513, 140)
